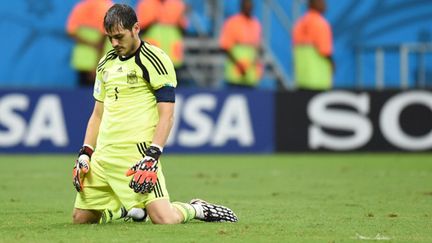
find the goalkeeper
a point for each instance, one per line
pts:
(120, 161)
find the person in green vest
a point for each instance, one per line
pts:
(163, 23)
(240, 39)
(85, 26)
(313, 49)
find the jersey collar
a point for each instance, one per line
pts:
(132, 55)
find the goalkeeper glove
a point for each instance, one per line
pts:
(82, 166)
(145, 171)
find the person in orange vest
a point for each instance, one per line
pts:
(240, 39)
(85, 26)
(163, 23)
(313, 49)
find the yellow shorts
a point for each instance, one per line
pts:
(106, 185)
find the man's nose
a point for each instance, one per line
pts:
(114, 42)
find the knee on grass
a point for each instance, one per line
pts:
(85, 217)
(159, 219)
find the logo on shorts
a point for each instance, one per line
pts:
(132, 77)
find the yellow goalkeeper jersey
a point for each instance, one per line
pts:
(126, 86)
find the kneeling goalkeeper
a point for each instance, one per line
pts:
(119, 164)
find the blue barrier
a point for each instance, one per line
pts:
(48, 121)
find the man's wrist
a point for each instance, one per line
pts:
(154, 151)
(86, 150)
(157, 146)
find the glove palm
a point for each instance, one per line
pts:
(81, 167)
(145, 172)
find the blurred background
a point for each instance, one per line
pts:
(379, 99)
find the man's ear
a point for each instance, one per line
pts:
(136, 28)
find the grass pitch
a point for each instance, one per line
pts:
(278, 198)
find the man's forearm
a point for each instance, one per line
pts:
(162, 131)
(230, 56)
(92, 131)
(93, 125)
(96, 45)
(163, 128)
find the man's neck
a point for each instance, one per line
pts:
(137, 45)
(134, 49)
(247, 15)
(316, 11)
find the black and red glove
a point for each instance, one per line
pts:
(82, 166)
(145, 171)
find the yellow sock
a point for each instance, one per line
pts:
(186, 209)
(109, 215)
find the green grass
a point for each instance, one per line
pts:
(278, 198)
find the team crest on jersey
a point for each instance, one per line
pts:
(132, 77)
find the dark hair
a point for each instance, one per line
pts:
(120, 15)
(311, 3)
(243, 2)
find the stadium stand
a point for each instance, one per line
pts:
(373, 50)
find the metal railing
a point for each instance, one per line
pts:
(199, 47)
(273, 8)
(405, 68)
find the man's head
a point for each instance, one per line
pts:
(121, 26)
(318, 5)
(246, 7)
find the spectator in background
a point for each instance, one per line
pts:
(240, 39)
(85, 26)
(313, 49)
(163, 23)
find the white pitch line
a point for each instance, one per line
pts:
(377, 237)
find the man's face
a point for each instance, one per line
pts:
(123, 41)
(246, 7)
